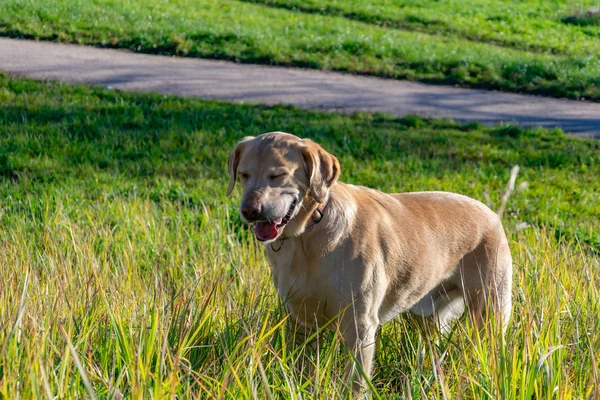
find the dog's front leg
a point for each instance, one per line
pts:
(360, 341)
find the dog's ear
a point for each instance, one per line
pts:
(322, 168)
(234, 160)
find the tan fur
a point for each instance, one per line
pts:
(373, 255)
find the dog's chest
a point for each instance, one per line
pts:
(302, 284)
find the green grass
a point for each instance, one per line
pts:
(531, 47)
(125, 268)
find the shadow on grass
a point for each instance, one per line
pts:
(148, 135)
(153, 134)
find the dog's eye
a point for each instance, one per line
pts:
(275, 176)
(243, 176)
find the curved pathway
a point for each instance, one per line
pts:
(303, 88)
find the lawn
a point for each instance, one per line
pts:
(538, 46)
(127, 270)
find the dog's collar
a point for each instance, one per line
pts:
(316, 216)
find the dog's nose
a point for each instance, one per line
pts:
(251, 213)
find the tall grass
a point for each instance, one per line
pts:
(143, 300)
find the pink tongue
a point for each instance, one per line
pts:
(265, 231)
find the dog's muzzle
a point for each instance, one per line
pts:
(270, 230)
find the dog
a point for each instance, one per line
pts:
(361, 257)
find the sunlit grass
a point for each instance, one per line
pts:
(535, 26)
(126, 271)
(162, 306)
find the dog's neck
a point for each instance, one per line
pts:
(315, 217)
(322, 238)
(312, 212)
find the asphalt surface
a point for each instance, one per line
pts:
(310, 89)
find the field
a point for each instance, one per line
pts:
(126, 270)
(538, 46)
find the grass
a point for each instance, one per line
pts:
(128, 272)
(531, 47)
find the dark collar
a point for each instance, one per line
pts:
(316, 216)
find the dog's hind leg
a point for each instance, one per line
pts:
(485, 277)
(502, 285)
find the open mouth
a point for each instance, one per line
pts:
(269, 230)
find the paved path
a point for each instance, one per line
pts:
(304, 88)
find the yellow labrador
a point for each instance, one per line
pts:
(334, 246)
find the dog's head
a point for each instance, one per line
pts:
(280, 173)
